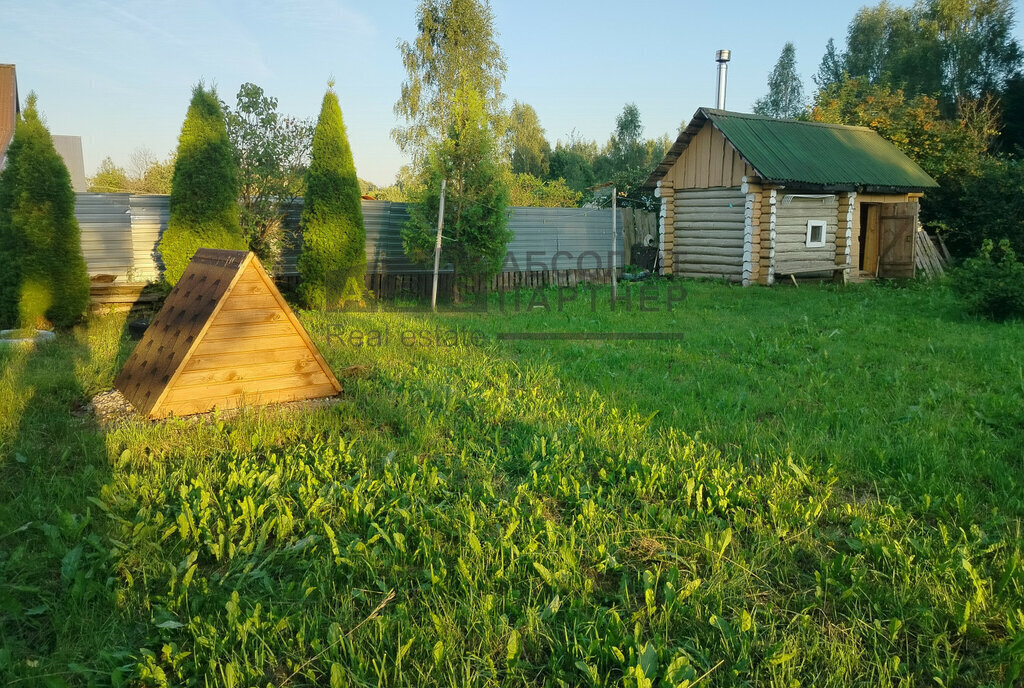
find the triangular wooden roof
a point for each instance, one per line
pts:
(224, 337)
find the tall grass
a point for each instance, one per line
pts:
(816, 487)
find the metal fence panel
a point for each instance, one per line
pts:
(149, 220)
(106, 233)
(121, 234)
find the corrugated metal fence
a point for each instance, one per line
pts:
(120, 234)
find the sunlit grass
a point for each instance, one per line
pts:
(818, 485)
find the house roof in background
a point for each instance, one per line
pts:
(10, 106)
(70, 148)
(788, 151)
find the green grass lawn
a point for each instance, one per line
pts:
(816, 486)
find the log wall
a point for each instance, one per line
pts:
(709, 233)
(766, 267)
(845, 239)
(666, 228)
(752, 213)
(792, 255)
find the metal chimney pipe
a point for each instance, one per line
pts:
(722, 57)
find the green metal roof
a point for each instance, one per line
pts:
(788, 150)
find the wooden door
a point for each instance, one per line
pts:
(896, 226)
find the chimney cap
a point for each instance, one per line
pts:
(723, 55)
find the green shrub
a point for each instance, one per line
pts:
(204, 189)
(43, 276)
(333, 260)
(992, 283)
(988, 204)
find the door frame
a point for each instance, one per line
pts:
(867, 259)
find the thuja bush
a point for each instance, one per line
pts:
(43, 276)
(204, 209)
(333, 260)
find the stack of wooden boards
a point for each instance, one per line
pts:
(927, 256)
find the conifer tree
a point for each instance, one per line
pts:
(333, 260)
(204, 209)
(43, 276)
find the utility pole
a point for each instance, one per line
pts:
(437, 247)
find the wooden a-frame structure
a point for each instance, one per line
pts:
(224, 338)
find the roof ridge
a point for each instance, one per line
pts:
(713, 112)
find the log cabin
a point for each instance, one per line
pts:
(751, 199)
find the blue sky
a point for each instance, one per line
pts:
(119, 74)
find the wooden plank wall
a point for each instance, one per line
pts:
(637, 224)
(710, 161)
(709, 233)
(792, 255)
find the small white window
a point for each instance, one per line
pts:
(816, 230)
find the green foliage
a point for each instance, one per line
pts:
(889, 44)
(572, 167)
(109, 178)
(1011, 138)
(333, 259)
(475, 216)
(955, 49)
(627, 159)
(986, 205)
(525, 190)
(455, 51)
(204, 189)
(157, 179)
(148, 175)
(43, 276)
(785, 96)
(991, 284)
(530, 152)
(272, 153)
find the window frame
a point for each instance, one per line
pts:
(811, 224)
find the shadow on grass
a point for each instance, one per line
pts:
(58, 619)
